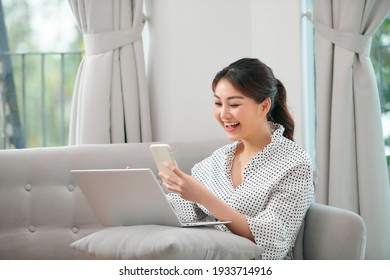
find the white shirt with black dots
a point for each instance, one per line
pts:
(275, 193)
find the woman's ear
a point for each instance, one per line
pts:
(266, 105)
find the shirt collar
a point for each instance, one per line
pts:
(277, 131)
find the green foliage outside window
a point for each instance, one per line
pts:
(42, 77)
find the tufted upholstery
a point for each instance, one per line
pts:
(42, 211)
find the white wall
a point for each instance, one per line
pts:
(276, 40)
(190, 40)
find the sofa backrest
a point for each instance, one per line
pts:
(42, 211)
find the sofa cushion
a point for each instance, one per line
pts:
(164, 242)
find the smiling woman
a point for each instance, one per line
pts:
(251, 79)
(262, 182)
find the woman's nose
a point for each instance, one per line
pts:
(225, 112)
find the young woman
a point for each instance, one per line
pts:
(262, 181)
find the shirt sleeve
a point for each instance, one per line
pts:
(276, 227)
(186, 210)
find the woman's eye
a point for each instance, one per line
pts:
(234, 105)
(218, 104)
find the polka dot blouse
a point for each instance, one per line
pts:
(275, 194)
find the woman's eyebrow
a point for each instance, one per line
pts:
(235, 97)
(231, 97)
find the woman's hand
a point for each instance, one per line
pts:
(188, 187)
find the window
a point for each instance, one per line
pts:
(308, 90)
(39, 57)
(380, 56)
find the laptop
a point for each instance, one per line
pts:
(126, 197)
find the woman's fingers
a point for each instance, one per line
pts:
(165, 177)
(172, 188)
(169, 181)
(174, 169)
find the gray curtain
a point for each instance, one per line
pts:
(110, 100)
(352, 171)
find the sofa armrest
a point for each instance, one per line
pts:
(333, 234)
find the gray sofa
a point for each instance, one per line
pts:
(42, 211)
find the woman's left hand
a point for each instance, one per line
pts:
(187, 186)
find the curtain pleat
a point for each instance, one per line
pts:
(110, 101)
(352, 169)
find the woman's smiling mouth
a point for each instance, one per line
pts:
(231, 125)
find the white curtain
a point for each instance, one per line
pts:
(110, 100)
(352, 171)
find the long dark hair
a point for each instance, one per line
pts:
(256, 80)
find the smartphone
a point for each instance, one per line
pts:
(163, 153)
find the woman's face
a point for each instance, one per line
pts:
(240, 116)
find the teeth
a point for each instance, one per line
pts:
(231, 124)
